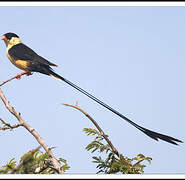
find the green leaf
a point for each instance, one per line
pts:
(90, 131)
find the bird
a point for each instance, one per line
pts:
(29, 61)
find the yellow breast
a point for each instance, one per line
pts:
(21, 64)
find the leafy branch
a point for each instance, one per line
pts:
(32, 162)
(115, 162)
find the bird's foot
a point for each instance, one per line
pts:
(18, 76)
(28, 73)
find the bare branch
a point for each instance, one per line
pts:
(54, 161)
(97, 126)
(15, 77)
(7, 126)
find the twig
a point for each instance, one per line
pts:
(23, 161)
(54, 161)
(100, 130)
(137, 162)
(9, 80)
(8, 126)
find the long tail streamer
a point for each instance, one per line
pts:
(151, 134)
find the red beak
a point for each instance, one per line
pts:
(3, 38)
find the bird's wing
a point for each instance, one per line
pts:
(22, 52)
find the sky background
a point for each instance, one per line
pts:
(132, 58)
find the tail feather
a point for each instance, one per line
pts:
(154, 135)
(56, 76)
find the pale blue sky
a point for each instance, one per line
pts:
(132, 58)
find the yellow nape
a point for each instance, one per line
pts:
(13, 41)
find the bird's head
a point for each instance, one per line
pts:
(11, 38)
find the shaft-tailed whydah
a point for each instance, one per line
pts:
(26, 59)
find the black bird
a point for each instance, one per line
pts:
(26, 59)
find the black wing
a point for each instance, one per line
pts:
(23, 52)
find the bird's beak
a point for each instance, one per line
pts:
(3, 38)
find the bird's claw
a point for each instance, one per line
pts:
(18, 76)
(28, 73)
